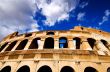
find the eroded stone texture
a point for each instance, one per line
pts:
(77, 50)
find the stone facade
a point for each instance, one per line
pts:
(77, 50)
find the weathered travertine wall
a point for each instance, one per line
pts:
(77, 50)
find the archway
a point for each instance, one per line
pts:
(91, 42)
(3, 46)
(22, 45)
(49, 43)
(63, 43)
(90, 69)
(108, 70)
(35, 43)
(105, 43)
(10, 47)
(6, 69)
(44, 69)
(24, 68)
(67, 69)
(77, 42)
(50, 33)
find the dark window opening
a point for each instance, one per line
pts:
(35, 43)
(49, 43)
(67, 69)
(22, 45)
(6, 69)
(90, 69)
(50, 33)
(9, 48)
(91, 42)
(108, 70)
(28, 35)
(44, 69)
(77, 42)
(24, 69)
(82, 28)
(105, 43)
(3, 46)
(63, 42)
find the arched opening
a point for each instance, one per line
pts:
(63, 43)
(49, 43)
(82, 28)
(24, 68)
(105, 43)
(6, 69)
(91, 42)
(108, 70)
(76, 42)
(50, 33)
(9, 48)
(22, 44)
(35, 43)
(44, 69)
(3, 46)
(67, 69)
(28, 35)
(90, 69)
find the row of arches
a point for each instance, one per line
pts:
(46, 68)
(49, 43)
(21, 69)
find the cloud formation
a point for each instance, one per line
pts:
(56, 10)
(83, 4)
(16, 15)
(80, 16)
(105, 18)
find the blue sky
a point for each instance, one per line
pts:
(39, 15)
(88, 13)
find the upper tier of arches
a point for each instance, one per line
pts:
(79, 38)
(75, 43)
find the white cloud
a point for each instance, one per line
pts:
(105, 17)
(34, 27)
(107, 12)
(80, 16)
(63, 17)
(56, 10)
(15, 15)
(83, 4)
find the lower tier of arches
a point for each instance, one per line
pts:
(53, 66)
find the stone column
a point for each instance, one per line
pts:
(56, 43)
(71, 44)
(56, 66)
(85, 45)
(28, 44)
(74, 44)
(41, 43)
(1, 64)
(14, 48)
(6, 47)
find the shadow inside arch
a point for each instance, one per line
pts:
(44, 68)
(90, 69)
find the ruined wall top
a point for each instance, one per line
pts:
(76, 31)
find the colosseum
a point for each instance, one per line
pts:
(79, 49)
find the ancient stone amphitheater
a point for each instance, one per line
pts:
(77, 50)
